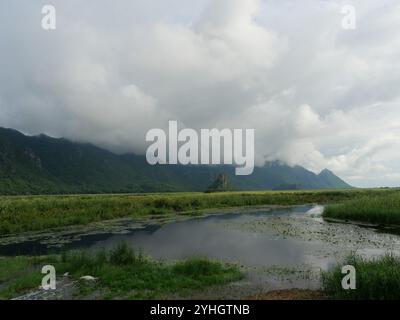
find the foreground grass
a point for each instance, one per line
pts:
(383, 209)
(377, 279)
(121, 274)
(31, 213)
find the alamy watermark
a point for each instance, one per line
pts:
(349, 280)
(49, 17)
(349, 21)
(49, 280)
(187, 147)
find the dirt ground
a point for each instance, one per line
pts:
(292, 294)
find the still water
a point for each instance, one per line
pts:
(291, 236)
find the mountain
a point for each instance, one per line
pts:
(331, 180)
(43, 165)
(221, 184)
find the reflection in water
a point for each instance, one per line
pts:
(210, 237)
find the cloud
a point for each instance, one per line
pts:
(317, 95)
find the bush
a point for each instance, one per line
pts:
(198, 267)
(376, 279)
(124, 255)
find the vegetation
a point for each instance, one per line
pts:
(377, 279)
(120, 273)
(45, 165)
(381, 208)
(31, 213)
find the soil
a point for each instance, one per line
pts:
(292, 294)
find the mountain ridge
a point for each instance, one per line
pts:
(46, 165)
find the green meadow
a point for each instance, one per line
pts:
(120, 273)
(380, 208)
(32, 213)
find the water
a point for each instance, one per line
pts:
(285, 237)
(210, 237)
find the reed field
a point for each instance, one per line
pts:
(376, 279)
(32, 213)
(381, 209)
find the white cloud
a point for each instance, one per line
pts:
(317, 95)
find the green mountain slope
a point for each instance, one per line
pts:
(331, 180)
(42, 165)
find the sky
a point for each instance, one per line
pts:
(317, 94)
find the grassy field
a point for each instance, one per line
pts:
(383, 209)
(377, 279)
(121, 273)
(31, 213)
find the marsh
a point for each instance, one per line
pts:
(276, 248)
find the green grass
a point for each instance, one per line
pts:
(383, 209)
(32, 213)
(11, 268)
(18, 274)
(121, 272)
(377, 279)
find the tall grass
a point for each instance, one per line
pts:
(120, 272)
(377, 279)
(30, 213)
(381, 209)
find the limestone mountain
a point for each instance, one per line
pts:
(46, 165)
(221, 184)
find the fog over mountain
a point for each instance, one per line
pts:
(316, 94)
(45, 165)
